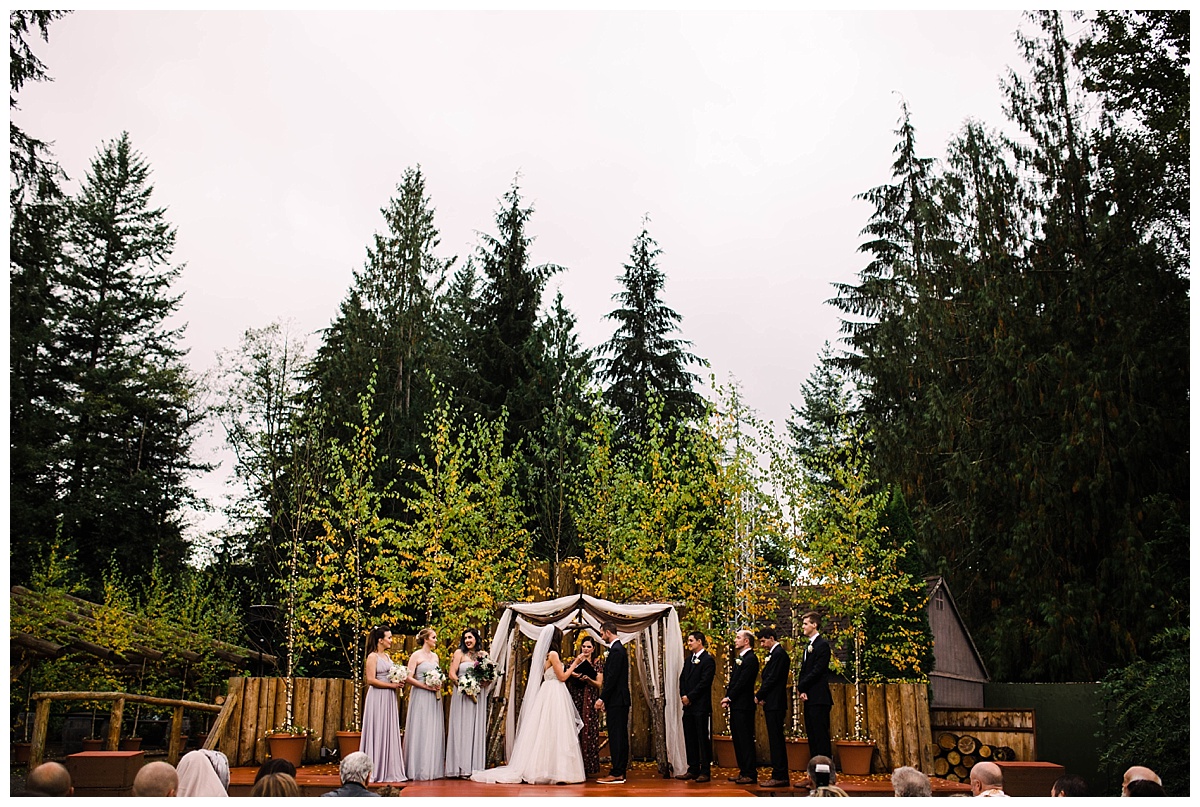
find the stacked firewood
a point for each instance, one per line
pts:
(956, 754)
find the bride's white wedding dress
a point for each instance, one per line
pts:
(546, 748)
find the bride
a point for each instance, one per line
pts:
(546, 748)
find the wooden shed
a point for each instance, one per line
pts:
(958, 673)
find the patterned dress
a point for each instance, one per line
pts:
(584, 695)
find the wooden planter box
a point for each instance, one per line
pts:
(104, 773)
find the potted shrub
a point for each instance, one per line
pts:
(288, 741)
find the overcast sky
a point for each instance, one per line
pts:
(275, 137)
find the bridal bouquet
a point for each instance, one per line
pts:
(435, 678)
(398, 674)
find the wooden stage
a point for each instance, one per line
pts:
(643, 782)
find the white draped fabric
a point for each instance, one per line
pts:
(659, 634)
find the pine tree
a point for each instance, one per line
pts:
(816, 428)
(642, 358)
(132, 404)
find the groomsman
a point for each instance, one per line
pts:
(695, 691)
(812, 685)
(614, 700)
(739, 699)
(772, 695)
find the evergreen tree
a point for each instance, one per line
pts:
(642, 358)
(386, 325)
(131, 405)
(36, 221)
(816, 427)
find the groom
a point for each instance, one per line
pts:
(614, 699)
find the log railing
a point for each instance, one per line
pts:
(41, 719)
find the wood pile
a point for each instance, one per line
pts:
(956, 754)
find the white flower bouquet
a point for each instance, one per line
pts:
(436, 679)
(398, 674)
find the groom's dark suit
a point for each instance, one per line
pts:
(740, 691)
(696, 683)
(615, 694)
(814, 681)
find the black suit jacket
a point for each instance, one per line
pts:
(772, 692)
(742, 677)
(615, 691)
(696, 682)
(814, 673)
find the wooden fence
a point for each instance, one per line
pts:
(325, 705)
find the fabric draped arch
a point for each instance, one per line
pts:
(653, 627)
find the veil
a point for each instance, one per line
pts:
(536, 674)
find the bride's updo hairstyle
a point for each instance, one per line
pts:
(462, 644)
(423, 635)
(375, 637)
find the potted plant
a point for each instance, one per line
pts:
(288, 741)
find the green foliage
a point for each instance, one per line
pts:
(642, 360)
(1146, 719)
(1020, 340)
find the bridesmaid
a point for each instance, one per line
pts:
(425, 738)
(381, 714)
(466, 744)
(585, 688)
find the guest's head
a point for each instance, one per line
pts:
(49, 779)
(1134, 774)
(821, 771)
(427, 638)
(275, 765)
(356, 767)
(1144, 787)
(1069, 784)
(379, 640)
(908, 781)
(275, 785)
(471, 641)
(696, 641)
(156, 779)
(203, 773)
(986, 776)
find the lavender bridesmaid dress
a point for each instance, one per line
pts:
(381, 728)
(425, 734)
(466, 744)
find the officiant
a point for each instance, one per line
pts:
(585, 684)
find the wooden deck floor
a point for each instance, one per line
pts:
(643, 782)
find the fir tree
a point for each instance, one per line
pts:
(642, 358)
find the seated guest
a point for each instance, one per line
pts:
(908, 781)
(823, 777)
(987, 779)
(1069, 784)
(48, 779)
(156, 779)
(275, 765)
(1136, 773)
(355, 771)
(275, 785)
(203, 773)
(1144, 787)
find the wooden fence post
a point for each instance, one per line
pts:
(114, 725)
(175, 745)
(41, 721)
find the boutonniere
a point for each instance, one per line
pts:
(738, 661)
(695, 659)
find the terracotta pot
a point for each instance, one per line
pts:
(21, 753)
(130, 744)
(93, 745)
(854, 755)
(798, 754)
(348, 742)
(288, 746)
(201, 739)
(723, 752)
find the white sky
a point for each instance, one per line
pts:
(275, 137)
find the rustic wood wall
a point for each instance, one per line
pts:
(326, 705)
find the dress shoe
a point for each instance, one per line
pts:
(611, 780)
(733, 779)
(744, 780)
(776, 783)
(704, 777)
(685, 776)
